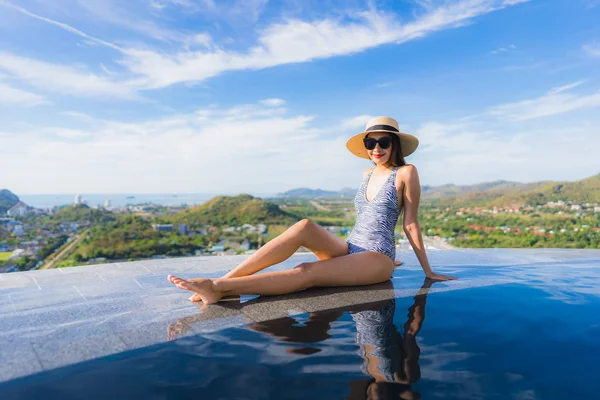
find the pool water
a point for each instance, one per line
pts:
(533, 339)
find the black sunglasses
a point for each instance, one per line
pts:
(384, 142)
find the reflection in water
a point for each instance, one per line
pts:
(286, 329)
(390, 358)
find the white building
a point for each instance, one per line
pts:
(245, 245)
(18, 230)
(78, 199)
(107, 203)
(163, 227)
(16, 254)
(18, 209)
(333, 229)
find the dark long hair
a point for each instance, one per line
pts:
(396, 157)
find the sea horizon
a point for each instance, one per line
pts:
(123, 199)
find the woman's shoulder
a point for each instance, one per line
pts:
(366, 172)
(406, 169)
(403, 173)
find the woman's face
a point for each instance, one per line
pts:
(378, 155)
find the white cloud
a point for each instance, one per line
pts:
(13, 96)
(553, 103)
(290, 41)
(61, 25)
(294, 41)
(65, 132)
(248, 10)
(503, 49)
(201, 39)
(484, 151)
(273, 102)
(62, 78)
(231, 150)
(357, 122)
(188, 5)
(566, 87)
(129, 15)
(516, 141)
(592, 49)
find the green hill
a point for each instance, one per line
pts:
(505, 193)
(478, 194)
(234, 210)
(80, 212)
(584, 190)
(7, 200)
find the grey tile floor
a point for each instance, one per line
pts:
(57, 317)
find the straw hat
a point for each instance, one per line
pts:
(408, 142)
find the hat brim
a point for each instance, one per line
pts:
(408, 142)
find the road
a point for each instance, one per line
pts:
(64, 252)
(318, 206)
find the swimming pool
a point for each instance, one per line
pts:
(518, 324)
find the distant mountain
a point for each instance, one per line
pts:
(506, 193)
(234, 210)
(498, 193)
(305, 192)
(481, 193)
(7, 200)
(585, 190)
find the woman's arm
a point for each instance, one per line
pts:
(410, 224)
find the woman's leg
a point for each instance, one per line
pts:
(305, 233)
(364, 268)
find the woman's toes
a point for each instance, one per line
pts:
(176, 280)
(183, 284)
(195, 298)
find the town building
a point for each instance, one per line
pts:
(163, 227)
(18, 209)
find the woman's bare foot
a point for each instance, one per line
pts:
(203, 287)
(398, 262)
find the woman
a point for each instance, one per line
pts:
(366, 256)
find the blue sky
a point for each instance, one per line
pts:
(257, 96)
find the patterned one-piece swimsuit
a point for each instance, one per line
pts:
(376, 219)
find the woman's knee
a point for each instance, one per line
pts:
(385, 267)
(305, 270)
(304, 267)
(303, 226)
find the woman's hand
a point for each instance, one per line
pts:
(440, 277)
